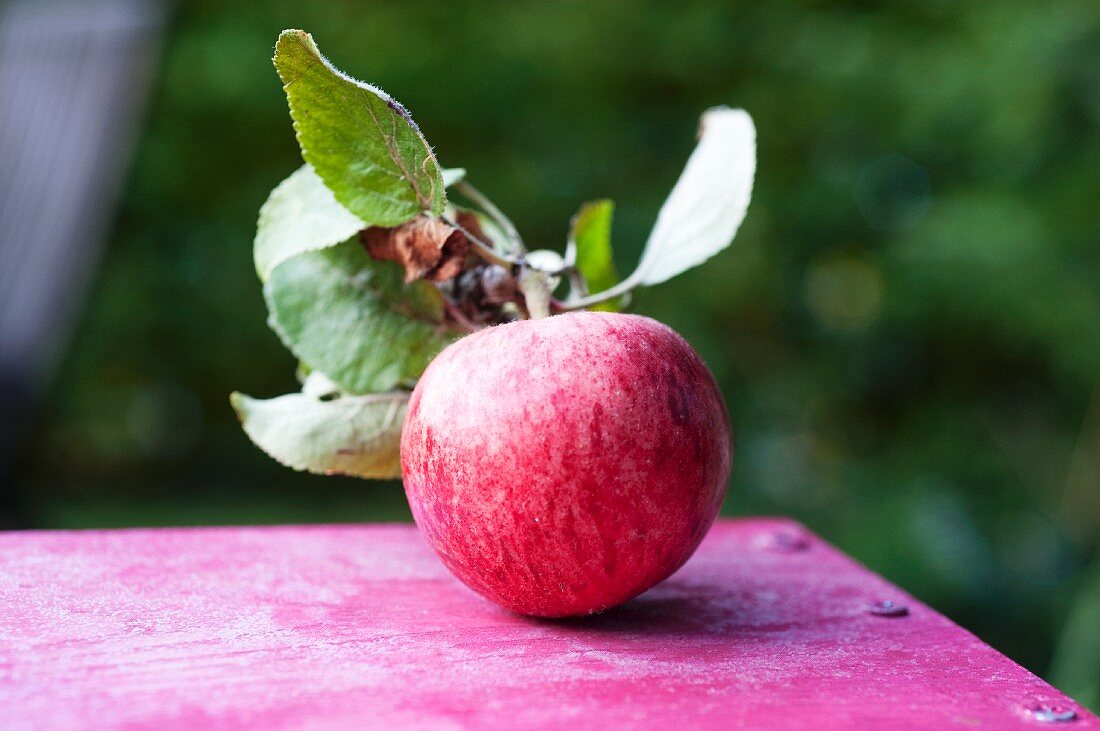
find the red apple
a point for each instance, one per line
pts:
(561, 466)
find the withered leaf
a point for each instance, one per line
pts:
(426, 247)
(469, 221)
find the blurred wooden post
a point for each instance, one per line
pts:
(73, 79)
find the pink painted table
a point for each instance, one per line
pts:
(361, 627)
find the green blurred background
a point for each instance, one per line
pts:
(907, 329)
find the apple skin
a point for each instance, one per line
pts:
(564, 465)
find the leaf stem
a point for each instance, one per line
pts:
(482, 249)
(610, 293)
(495, 213)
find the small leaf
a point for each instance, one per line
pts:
(536, 287)
(300, 215)
(349, 435)
(353, 319)
(361, 142)
(708, 203)
(548, 262)
(592, 235)
(426, 247)
(452, 176)
(319, 386)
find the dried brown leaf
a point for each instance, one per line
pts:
(469, 221)
(426, 247)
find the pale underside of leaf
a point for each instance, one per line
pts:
(452, 176)
(350, 435)
(702, 214)
(354, 319)
(300, 215)
(361, 142)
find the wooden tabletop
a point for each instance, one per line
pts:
(361, 627)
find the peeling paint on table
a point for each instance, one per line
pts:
(361, 627)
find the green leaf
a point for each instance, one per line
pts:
(300, 215)
(354, 319)
(708, 203)
(362, 143)
(349, 435)
(592, 236)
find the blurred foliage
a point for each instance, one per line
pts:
(907, 329)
